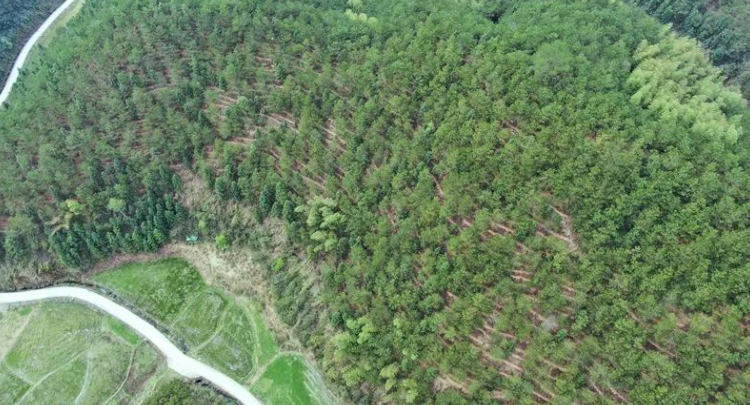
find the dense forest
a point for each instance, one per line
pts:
(177, 392)
(720, 26)
(502, 202)
(18, 20)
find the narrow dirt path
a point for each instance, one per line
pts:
(8, 346)
(44, 378)
(176, 359)
(86, 380)
(127, 375)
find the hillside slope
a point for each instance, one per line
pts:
(18, 20)
(720, 26)
(542, 203)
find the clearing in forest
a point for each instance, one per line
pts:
(67, 353)
(219, 329)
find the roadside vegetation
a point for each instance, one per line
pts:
(18, 20)
(177, 392)
(57, 28)
(219, 329)
(462, 202)
(63, 353)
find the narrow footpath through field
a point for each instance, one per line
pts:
(176, 360)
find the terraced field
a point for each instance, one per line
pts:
(222, 330)
(66, 353)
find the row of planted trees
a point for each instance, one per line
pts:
(532, 202)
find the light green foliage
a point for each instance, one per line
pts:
(222, 242)
(70, 210)
(116, 205)
(389, 374)
(324, 222)
(278, 264)
(720, 26)
(362, 329)
(74, 207)
(675, 80)
(359, 16)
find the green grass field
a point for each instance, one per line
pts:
(162, 288)
(225, 331)
(63, 353)
(288, 381)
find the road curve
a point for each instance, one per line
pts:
(21, 59)
(176, 359)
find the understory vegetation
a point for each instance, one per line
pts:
(499, 202)
(63, 353)
(224, 331)
(177, 392)
(18, 20)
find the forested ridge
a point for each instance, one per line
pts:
(18, 20)
(531, 202)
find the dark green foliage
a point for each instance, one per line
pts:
(720, 26)
(502, 201)
(140, 223)
(14, 248)
(295, 302)
(178, 392)
(18, 20)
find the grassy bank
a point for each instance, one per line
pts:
(19, 19)
(66, 353)
(221, 329)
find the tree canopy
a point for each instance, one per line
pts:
(18, 20)
(499, 202)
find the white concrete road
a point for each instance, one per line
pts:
(21, 59)
(176, 359)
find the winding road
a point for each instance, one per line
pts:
(21, 59)
(176, 359)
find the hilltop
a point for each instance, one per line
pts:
(462, 202)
